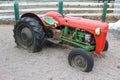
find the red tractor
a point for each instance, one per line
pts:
(31, 32)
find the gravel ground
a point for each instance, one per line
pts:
(51, 63)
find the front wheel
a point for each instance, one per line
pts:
(81, 59)
(29, 34)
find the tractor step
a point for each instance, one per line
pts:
(53, 41)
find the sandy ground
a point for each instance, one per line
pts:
(52, 63)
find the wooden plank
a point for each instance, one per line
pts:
(91, 14)
(75, 15)
(48, 9)
(55, 9)
(55, 3)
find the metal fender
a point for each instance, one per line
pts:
(32, 15)
(57, 16)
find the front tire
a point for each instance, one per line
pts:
(29, 34)
(79, 58)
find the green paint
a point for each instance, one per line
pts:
(77, 40)
(75, 33)
(16, 10)
(65, 31)
(104, 11)
(60, 7)
(50, 20)
(79, 44)
(80, 36)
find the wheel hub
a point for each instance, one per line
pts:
(80, 62)
(26, 36)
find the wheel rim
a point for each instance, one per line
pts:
(79, 62)
(24, 36)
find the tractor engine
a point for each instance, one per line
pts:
(79, 36)
(88, 38)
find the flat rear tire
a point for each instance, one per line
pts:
(29, 34)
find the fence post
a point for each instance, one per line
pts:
(60, 10)
(60, 7)
(16, 10)
(105, 6)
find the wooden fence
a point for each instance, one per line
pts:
(70, 9)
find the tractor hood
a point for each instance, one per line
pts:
(86, 24)
(77, 22)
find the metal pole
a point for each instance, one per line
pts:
(60, 10)
(16, 10)
(60, 7)
(105, 6)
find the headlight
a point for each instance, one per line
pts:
(97, 31)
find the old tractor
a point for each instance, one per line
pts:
(85, 35)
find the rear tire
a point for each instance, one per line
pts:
(81, 59)
(29, 34)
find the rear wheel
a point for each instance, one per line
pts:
(81, 59)
(29, 34)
